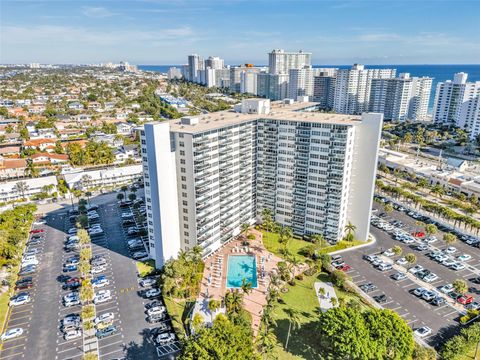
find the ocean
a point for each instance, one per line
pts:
(437, 72)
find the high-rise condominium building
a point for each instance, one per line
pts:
(214, 62)
(195, 63)
(174, 73)
(324, 90)
(352, 88)
(272, 86)
(248, 83)
(300, 82)
(280, 61)
(401, 98)
(206, 176)
(236, 75)
(457, 103)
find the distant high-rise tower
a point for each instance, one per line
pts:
(280, 62)
(300, 83)
(352, 88)
(195, 63)
(214, 62)
(458, 103)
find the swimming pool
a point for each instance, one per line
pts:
(241, 267)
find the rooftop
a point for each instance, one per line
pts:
(278, 111)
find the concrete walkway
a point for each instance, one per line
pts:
(325, 300)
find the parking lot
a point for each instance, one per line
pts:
(442, 319)
(41, 318)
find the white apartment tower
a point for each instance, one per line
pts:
(214, 62)
(352, 88)
(300, 82)
(420, 98)
(272, 86)
(280, 61)
(206, 176)
(458, 103)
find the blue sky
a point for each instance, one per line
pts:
(165, 32)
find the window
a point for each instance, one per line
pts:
(182, 144)
(184, 178)
(184, 194)
(185, 218)
(185, 233)
(185, 203)
(182, 161)
(180, 135)
(185, 211)
(182, 170)
(185, 226)
(184, 187)
(182, 152)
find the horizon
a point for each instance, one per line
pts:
(156, 31)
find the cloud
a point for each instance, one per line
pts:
(96, 12)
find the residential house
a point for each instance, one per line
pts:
(40, 144)
(11, 190)
(12, 168)
(110, 177)
(49, 159)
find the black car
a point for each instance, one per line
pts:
(153, 304)
(380, 298)
(27, 271)
(161, 328)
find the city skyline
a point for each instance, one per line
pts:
(157, 32)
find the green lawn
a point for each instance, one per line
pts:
(145, 268)
(296, 246)
(178, 309)
(4, 299)
(302, 297)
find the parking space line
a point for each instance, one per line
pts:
(450, 313)
(110, 344)
(7, 356)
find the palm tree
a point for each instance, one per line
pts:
(319, 239)
(397, 250)
(449, 238)
(132, 197)
(411, 258)
(124, 188)
(233, 301)
(294, 319)
(31, 169)
(266, 342)
(246, 286)
(213, 306)
(350, 229)
(334, 301)
(88, 194)
(21, 187)
(197, 321)
(120, 197)
(197, 253)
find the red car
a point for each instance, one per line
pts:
(419, 234)
(344, 267)
(37, 231)
(465, 299)
(24, 285)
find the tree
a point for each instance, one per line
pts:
(423, 353)
(224, 340)
(21, 187)
(350, 229)
(397, 250)
(197, 321)
(213, 306)
(266, 342)
(31, 169)
(246, 286)
(347, 333)
(132, 197)
(124, 188)
(293, 319)
(334, 301)
(460, 286)
(431, 229)
(233, 301)
(244, 228)
(411, 258)
(388, 208)
(449, 238)
(120, 197)
(319, 239)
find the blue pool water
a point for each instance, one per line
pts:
(241, 267)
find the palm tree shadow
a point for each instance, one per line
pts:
(143, 351)
(302, 341)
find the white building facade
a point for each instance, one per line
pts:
(280, 61)
(314, 171)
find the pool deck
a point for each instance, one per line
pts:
(215, 275)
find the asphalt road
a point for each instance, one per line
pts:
(443, 320)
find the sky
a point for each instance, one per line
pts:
(240, 31)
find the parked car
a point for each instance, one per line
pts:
(147, 282)
(139, 255)
(100, 281)
(151, 293)
(165, 338)
(112, 329)
(465, 299)
(399, 276)
(37, 231)
(102, 296)
(11, 334)
(20, 299)
(423, 331)
(380, 298)
(437, 301)
(464, 257)
(105, 317)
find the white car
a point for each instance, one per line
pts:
(72, 334)
(156, 310)
(446, 288)
(423, 331)
(457, 266)
(430, 278)
(20, 300)
(107, 317)
(139, 255)
(100, 283)
(450, 250)
(97, 269)
(147, 282)
(415, 269)
(72, 231)
(165, 338)
(29, 262)
(152, 293)
(409, 240)
(12, 333)
(402, 261)
(448, 262)
(464, 257)
(102, 296)
(39, 222)
(388, 252)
